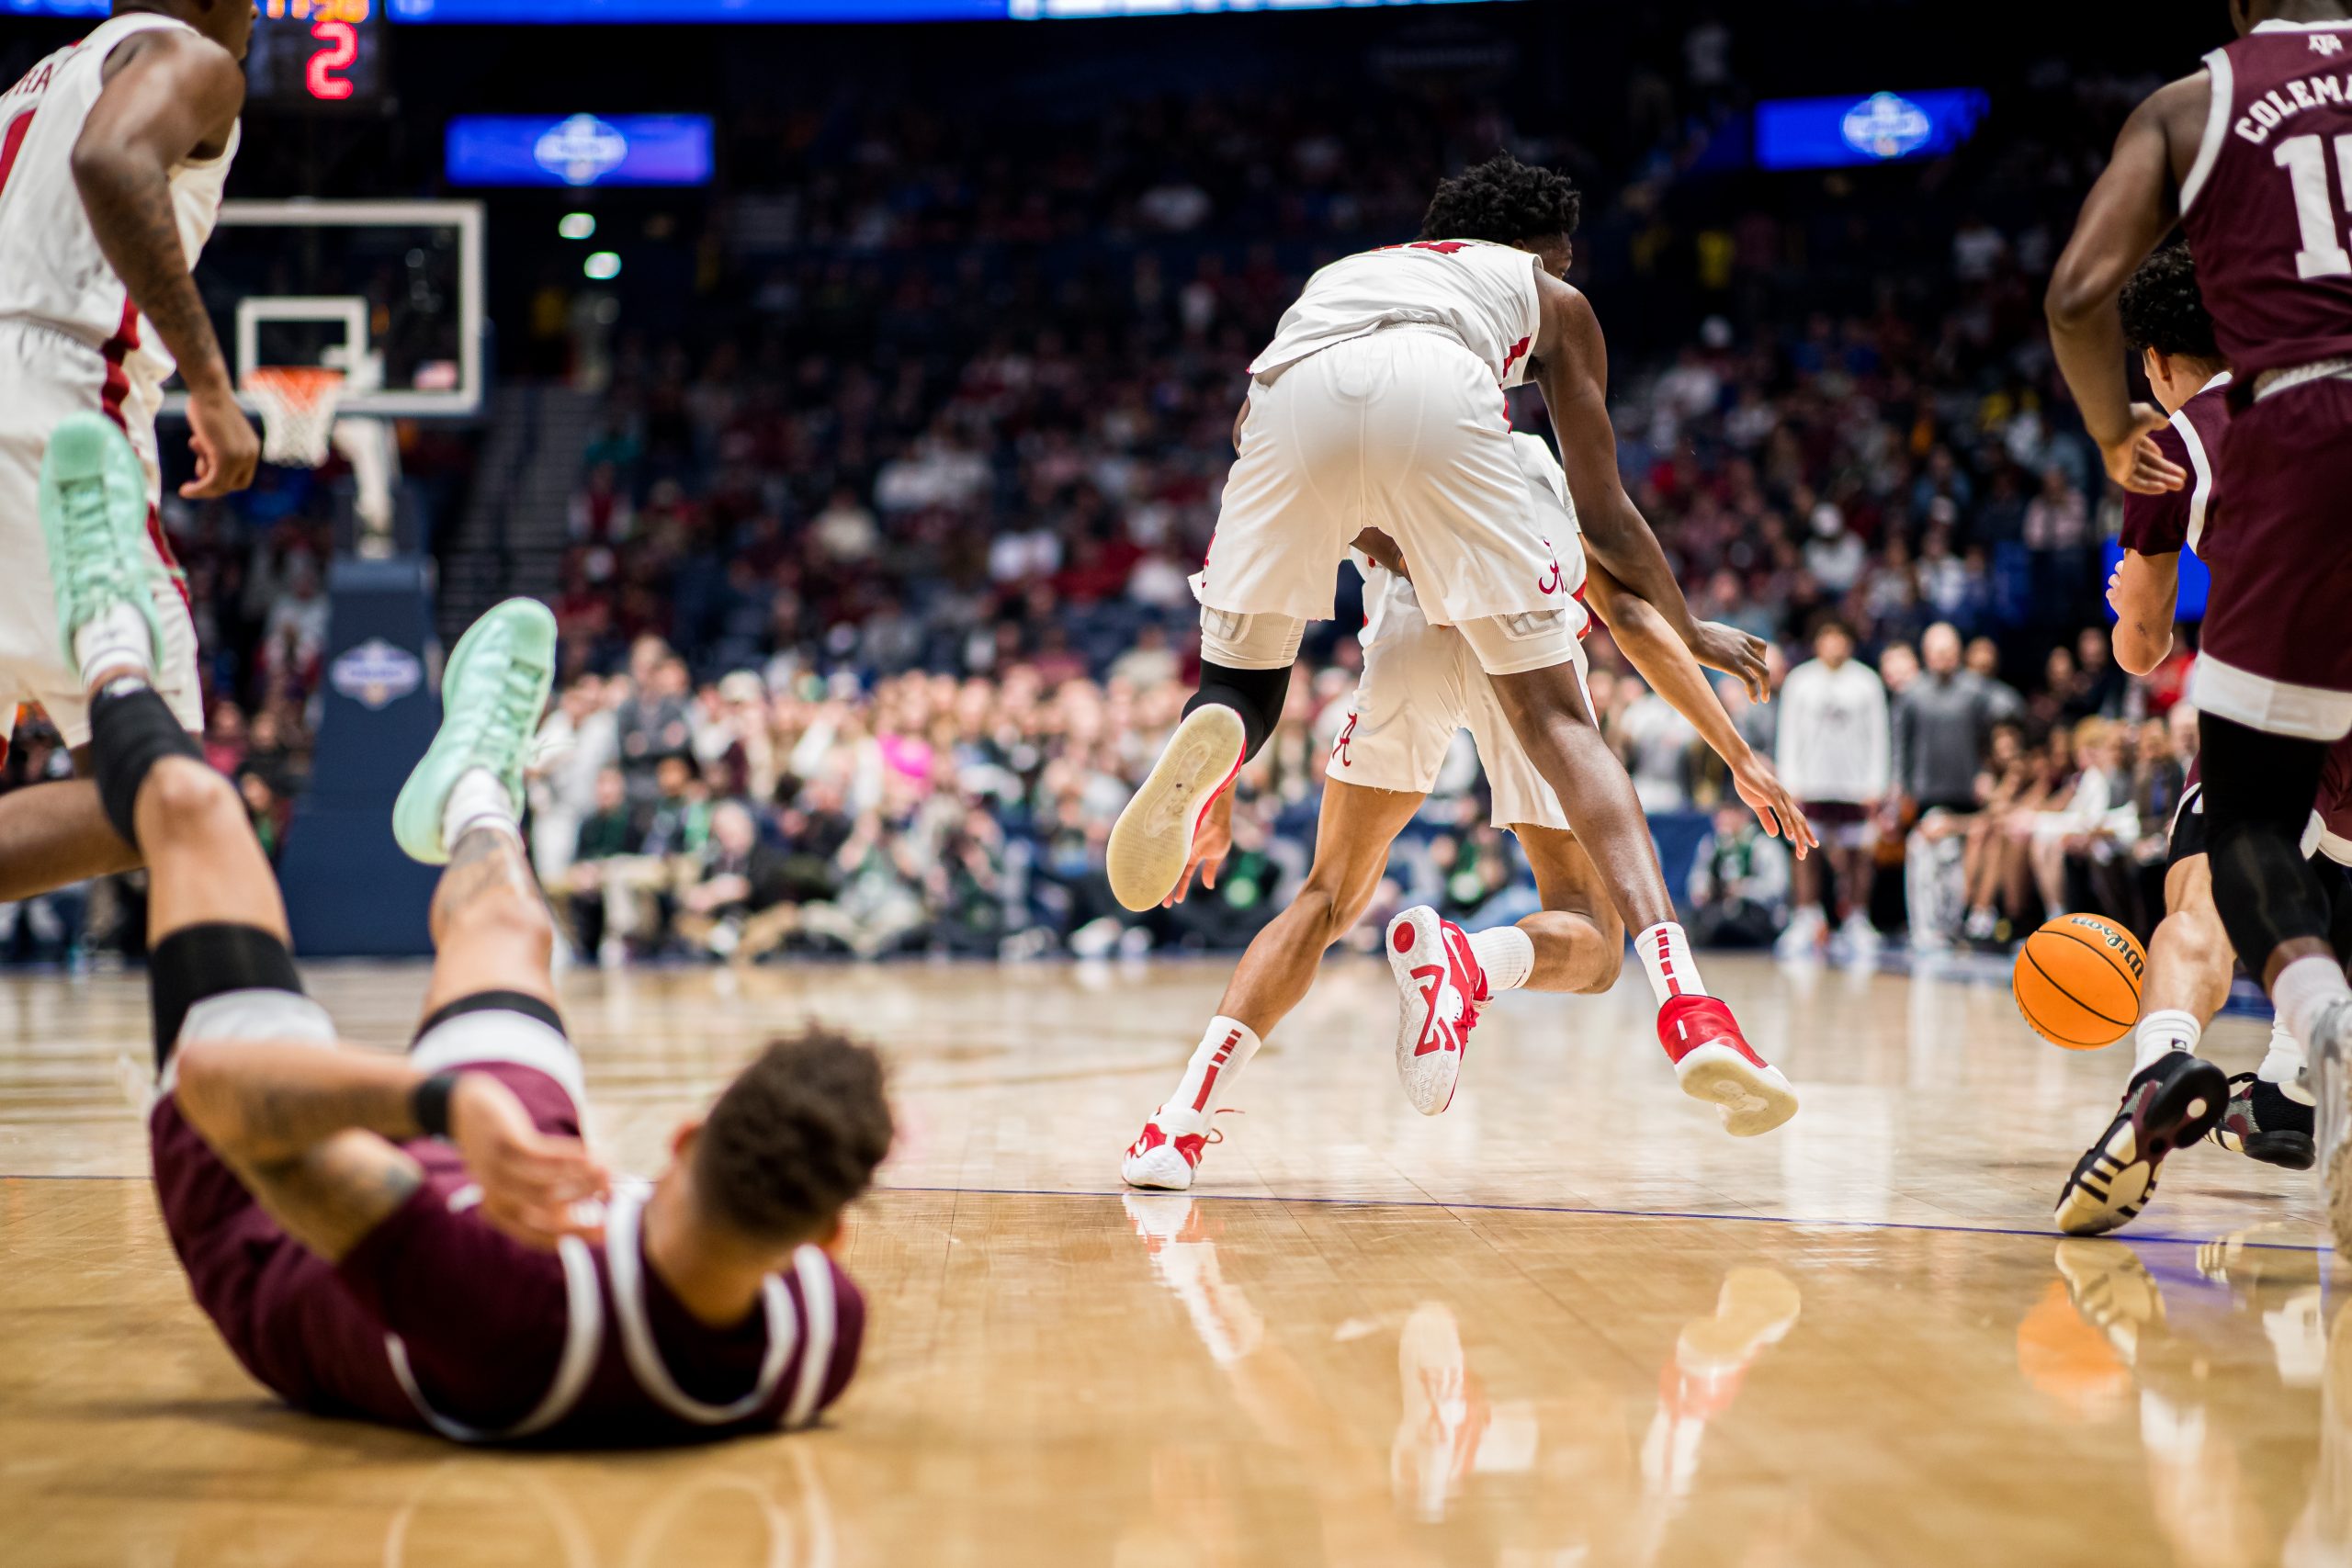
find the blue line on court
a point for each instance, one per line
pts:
(1597, 1214)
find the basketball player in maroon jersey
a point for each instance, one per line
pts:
(2243, 154)
(427, 1242)
(2266, 1114)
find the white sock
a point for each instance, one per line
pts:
(2284, 1065)
(115, 638)
(1223, 1052)
(1507, 955)
(2306, 988)
(2162, 1032)
(478, 800)
(1666, 957)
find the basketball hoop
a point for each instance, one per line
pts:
(297, 404)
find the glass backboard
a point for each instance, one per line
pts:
(389, 292)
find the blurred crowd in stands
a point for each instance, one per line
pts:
(874, 602)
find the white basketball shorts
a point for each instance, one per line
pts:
(1404, 431)
(44, 376)
(1422, 685)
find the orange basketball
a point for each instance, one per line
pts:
(2077, 981)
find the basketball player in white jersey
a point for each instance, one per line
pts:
(1378, 413)
(113, 152)
(1421, 686)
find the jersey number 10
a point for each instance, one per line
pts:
(2305, 161)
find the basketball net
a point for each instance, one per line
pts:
(297, 404)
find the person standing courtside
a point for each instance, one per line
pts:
(1941, 725)
(1834, 757)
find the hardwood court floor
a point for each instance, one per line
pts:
(1568, 1322)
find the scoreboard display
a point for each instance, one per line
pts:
(324, 53)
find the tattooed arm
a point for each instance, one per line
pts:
(313, 1134)
(169, 96)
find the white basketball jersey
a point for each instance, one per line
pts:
(1484, 294)
(51, 271)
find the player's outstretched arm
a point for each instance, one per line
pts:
(166, 95)
(312, 1132)
(2143, 594)
(1661, 658)
(2130, 207)
(1572, 366)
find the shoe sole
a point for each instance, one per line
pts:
(1152, 840)
(2112, 1183)
(1421, 1087)
(1157, 1171)
(2288, 1151)
(1753, 1100)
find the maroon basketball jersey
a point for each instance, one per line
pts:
(490, 1340)
(2265, 204)
(2161, 524)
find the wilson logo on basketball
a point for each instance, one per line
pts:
(2114, 941)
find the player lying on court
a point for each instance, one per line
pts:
(2176, 1096)
(404, 1240)
(1378, 413)
(2238, 156)
(1421, 685)
(112, 156)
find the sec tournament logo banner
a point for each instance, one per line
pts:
(376, 673)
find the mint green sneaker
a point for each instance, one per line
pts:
(94, 519)
(492, 691)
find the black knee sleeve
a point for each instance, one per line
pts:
(2258, 793)
(197, 961)
(493, 1001)
(130, 732)
(1256, 695)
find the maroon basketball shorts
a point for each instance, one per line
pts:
(2276, 654)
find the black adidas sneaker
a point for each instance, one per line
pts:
(2173, 1101)
(2264, 1122)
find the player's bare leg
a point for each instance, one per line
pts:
(492, 994)
(1352, 833)
(1579, 941)
(490, 927)
(55, 834)
(1712, 1059)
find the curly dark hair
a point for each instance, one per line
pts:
(795, 1138)
(2163, 310)
(1503, 200)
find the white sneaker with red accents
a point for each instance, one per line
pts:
(1714, 1063)
(1439, 986)
(1168, 1151)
